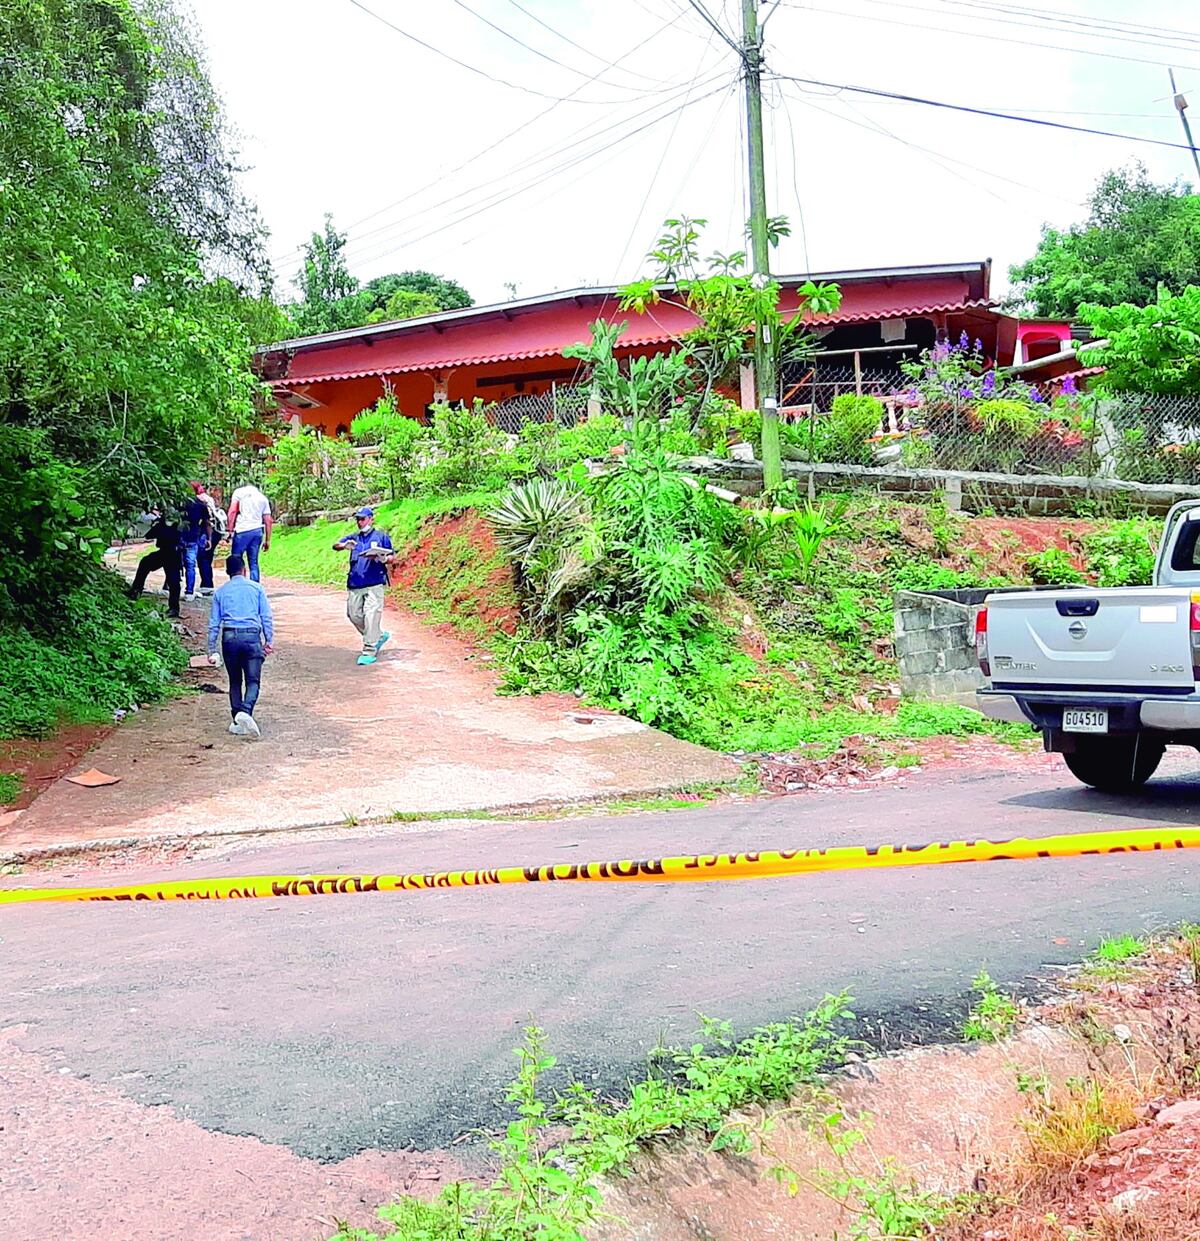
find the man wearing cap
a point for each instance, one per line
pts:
(370, 551)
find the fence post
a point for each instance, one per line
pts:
(857, 373)
(554, 402)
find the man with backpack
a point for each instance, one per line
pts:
(196, 536)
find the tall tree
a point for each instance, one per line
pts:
(127, 255)
(1137, 236)
(439, 292)
(326, 286)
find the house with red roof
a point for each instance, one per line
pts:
(515, 349)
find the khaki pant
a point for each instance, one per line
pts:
(364, 607)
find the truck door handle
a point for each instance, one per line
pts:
(1077, 607)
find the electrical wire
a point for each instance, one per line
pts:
(493, 146)
(587, 51)
(1001, 116)
(504, 197)
(551, 155)
(483, 73)
(1080, 23)
(796, 180)
(975, 34)
(507, 34)
(637, 223)
(718, 28)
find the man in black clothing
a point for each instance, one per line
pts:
(166, 556)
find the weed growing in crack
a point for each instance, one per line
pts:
(993, 1015)
(546, 1187)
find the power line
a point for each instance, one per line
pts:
(463, 64)
(512, 133)
(507, 34)
(972, 34)
(1001, 116)
(718, 28)
(658, 170)
(796, 181)
(587, 51)
(500, 199)
(1080, 23)
(551, 154)
(941, 158)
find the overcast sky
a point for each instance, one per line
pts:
(539, 180)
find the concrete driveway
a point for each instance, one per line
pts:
(422, 731)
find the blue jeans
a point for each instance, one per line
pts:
(242, 651)
(191, 554)
(248, 544)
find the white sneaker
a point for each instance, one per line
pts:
(249, 725)
(236, 729)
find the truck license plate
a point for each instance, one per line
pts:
(1085, 721)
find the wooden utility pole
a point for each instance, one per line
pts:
(1180, 102)
(764, 347)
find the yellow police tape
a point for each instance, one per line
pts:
(697, 866)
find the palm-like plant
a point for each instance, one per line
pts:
(543, 527)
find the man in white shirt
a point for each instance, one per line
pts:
(250, 520)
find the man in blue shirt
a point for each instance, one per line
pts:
(370, 551)
(241, 617)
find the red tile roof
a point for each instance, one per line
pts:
(501, 334)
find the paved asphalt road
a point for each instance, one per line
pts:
(338, 1024)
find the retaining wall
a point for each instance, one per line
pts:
(1033, 495)
(935, 641)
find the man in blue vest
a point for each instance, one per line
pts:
(370, 551)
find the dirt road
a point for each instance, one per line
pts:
(326, 1029)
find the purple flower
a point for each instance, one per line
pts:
(1069, 386)
(1036, 396)
(964, 341)
(989, 383)
(978, 345)
(969, 393)
(940, 352)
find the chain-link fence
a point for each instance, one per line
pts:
(564, 404)
(1126, 436)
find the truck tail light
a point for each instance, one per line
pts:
(981, 637)
(1194, 634)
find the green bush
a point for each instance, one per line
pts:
(841, 435)
(464, 452)
(1053, 567)
(1122, 555)
(102, 653)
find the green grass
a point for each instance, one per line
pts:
(1120, 948)
(10, 787)
(993, 1014)
(1111, 962)
(305, 553)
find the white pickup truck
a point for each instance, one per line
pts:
(1110, 677)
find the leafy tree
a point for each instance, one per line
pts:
(443, 293)
(331, 298)
(129, 268)
(1137, 236)
(405, 304)
(729, 301)
(326, 285)
(1153, 348)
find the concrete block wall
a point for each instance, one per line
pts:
(935, 645)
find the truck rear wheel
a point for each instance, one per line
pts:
(1114, 764)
